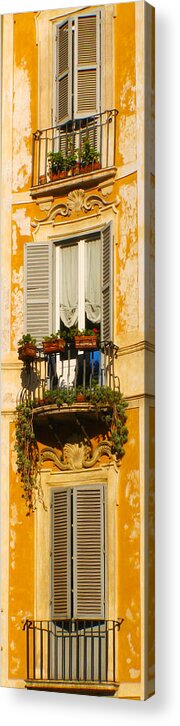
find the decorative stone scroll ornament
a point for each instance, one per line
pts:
(77, 201)
(76, 456)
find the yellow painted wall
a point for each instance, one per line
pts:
(126, 251)
(129, 556)
(127, 294)
(151, 546)
(125, 83)
(25, 98)
(22, 214)
(21, 570)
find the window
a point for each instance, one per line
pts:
(77, 76)
(78, 553)
(70, 283)
(78, 292)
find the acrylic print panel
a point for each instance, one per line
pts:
(77, 492)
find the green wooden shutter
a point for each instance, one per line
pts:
(63, 72)
(87, 65)
(61, 555)
(89, 552)
(38, 289)
(107, 284)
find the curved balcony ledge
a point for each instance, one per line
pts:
(82, 181)
(55, 411)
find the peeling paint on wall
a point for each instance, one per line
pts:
(21, 127)
(127, 261)
(129, 554)
(151, 548)
(152, 257)
(14, 239)
(23, 221)
(21, 571)
(17, 306)
(127, 122)
(9, 395)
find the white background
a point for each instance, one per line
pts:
(27, 707)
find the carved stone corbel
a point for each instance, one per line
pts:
(76, 456)
(77, 201)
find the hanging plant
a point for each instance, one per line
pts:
(115, 418)
(28, 464)
(109, 405)
(28, 459)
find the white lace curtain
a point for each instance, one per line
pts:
(69, 283)
(93, 281)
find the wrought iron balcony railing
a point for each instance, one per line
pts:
(71, 650)
(99, 130)
(69, 370)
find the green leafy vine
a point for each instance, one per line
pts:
(28, 464)
(109, 405)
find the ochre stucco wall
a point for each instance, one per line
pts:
(21, 570)
(25, 98)
(151, 547)
(23, 117)
(129, 556)
(125, 82)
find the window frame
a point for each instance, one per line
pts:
(71, 565)
(51, 244)
(98, 12)
(80, 240)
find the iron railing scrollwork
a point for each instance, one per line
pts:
(71, 650)
(100, 130)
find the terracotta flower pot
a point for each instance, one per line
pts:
(80, 397)
(63, 174)
(53, 346)
(85, 342)
(27, 351)
(43, 179)
(94, 166)
(87, 168)
(54, 176)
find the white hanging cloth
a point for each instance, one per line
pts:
(93, 280)
(69, 285)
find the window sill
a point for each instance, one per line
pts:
(94, 688)
(63, 186)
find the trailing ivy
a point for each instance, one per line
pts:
(115, 418)
(28, 465)
(109, 406)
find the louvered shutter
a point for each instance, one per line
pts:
(63, 72)
(107, 284)
(38, 289)
(87, 65)
(89, 552)
(61, 555)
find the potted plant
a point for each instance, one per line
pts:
(26, 347)
(57, 165)
(80, 395)
(86, 339)
(90, 157)
(54, 343)
(71, 159)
